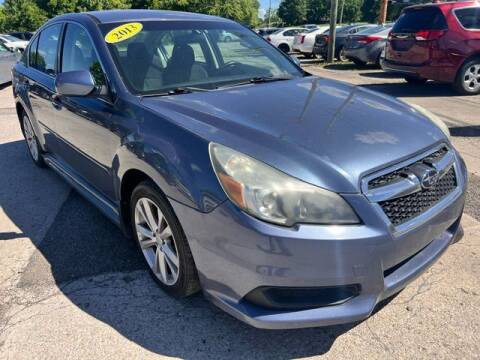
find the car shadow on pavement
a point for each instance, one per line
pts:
(381, 75)
(430, 89)
(84, 257)
(465, 131)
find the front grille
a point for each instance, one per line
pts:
(395, 175)
(403, 209)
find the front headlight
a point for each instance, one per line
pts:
(274, 196)
(434, 118)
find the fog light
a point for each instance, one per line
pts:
(301, 298)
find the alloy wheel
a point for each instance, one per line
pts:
(157, 241)
(30, 138)
(471, 78)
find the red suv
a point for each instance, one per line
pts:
(437, 42)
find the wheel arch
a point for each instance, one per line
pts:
(284, 45)
(20, 111)
(475, 55)
(129, 181)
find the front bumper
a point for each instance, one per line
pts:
(235, 254)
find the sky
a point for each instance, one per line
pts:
(264, 6)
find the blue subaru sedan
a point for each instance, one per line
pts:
(290, 200)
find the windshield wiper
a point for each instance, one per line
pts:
(178, 91)
(258, 80)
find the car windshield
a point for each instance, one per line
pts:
(165, 56)
(10, 38)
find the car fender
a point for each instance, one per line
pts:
(176, 160)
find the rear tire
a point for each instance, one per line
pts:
(285, 48)
(162, 242)
(341, 54)
(467, 81)
(415, 80)
(32, 141)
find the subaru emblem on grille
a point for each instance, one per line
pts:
(429, 178)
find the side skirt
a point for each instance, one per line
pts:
(108, 208)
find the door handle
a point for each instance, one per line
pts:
(56, 102)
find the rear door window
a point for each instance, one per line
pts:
(417, 19)
(47, 49)
(469, 18)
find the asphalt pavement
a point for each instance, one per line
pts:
(71, 286)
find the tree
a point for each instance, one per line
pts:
(370, 10)
(272, 15)
(22, 15)
(293, 12)
(30, 14)
(318, 11)
(352, 11)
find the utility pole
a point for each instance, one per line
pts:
(333, 32)
(269, 12)
(382, 17)
(340, 21)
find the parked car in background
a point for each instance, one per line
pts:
(12, 42)
(25, 35)
(8, 58)
(366, 46)
(292, 201)
(310, 26)
(321, 41)
(303, 42)
(439, 42)
(283, 38)
(266, 31)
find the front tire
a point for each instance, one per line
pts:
(32, 141)
(162, 242)
(467, 81)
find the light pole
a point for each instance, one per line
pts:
(333, 32)
(269, 12)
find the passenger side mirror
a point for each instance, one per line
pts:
(75, 83)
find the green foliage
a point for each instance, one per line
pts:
(293, 12)
(21, 15)
(371, 10)
(272, 16)
(352, 10)
(318, 11)
(28, 15)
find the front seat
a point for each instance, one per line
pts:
(179, 68)
(139, 62)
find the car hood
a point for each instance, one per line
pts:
(322, 131)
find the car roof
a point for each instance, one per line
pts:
(112, 16)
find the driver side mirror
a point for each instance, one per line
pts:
(75, 83)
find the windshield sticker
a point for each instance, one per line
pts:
(123, 32)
